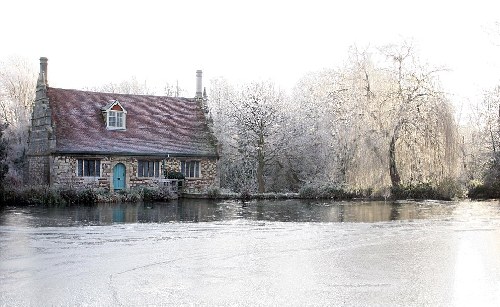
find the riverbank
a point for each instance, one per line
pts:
(46, 196)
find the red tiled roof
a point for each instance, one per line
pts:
(155, 125)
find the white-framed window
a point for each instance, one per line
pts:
(116, 120)
(89, 168)
(115, 115)
(191, 169)
(148, 168)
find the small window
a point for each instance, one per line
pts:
(190, 169)
(116, 120)
(115, 115)
(147, 168)
(89, 168)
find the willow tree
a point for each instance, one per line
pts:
(382, 119)
(411, 116)
(418, 118)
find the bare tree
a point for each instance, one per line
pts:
(249, 124)
(131, 86)
(17, 91)
(481, 140)
(172, 90)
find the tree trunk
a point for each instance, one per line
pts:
(260, 165)
(260, 173)
(393, 170)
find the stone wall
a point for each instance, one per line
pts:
(208, 177)
(37, 170)
(41, 139)
(64, 173)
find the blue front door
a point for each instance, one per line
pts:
(119, 177)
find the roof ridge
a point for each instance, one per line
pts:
(121, 94)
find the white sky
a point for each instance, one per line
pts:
(89, 43)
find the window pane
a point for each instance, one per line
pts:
(80, 167)
(150, 168)
(146, 168)
(98, 168)
(157, 169)
(112, 119)
(183, 168)
(140, 168)
(119, 119)
(85, 167)
(196, 169)
(91, 167)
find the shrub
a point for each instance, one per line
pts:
(326, 191)
(484, 191)
(70, 196)
(33, 195)
(175, 175)
(245, 194)
(448, 189)
(308, 191)
(43, 195)
(156, 194)
(445, 190)
(213, 192)
(421, 190)
(87, 197)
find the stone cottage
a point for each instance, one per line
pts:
(119, 141)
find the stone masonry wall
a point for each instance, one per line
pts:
(208, 177)
(64, 173)
(38, 168)
(41, 139)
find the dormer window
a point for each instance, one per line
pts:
(115, 115)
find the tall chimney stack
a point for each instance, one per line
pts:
(43, 69)
(199, 93)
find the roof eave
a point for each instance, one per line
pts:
(141, 154)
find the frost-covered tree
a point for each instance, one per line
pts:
(250, 125)
(17, 91)
(481, 148)
(417, 120)
(130, 86)
(4, 166)
(381, 120)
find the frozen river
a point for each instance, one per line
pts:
(277, 253)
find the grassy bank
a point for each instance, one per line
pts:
(46, 196)
(485, 191)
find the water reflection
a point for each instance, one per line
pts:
(206, 211)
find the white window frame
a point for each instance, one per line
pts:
(120, 117)
(184, 163)
(82, 165)
(115, 120)
(157, 168)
